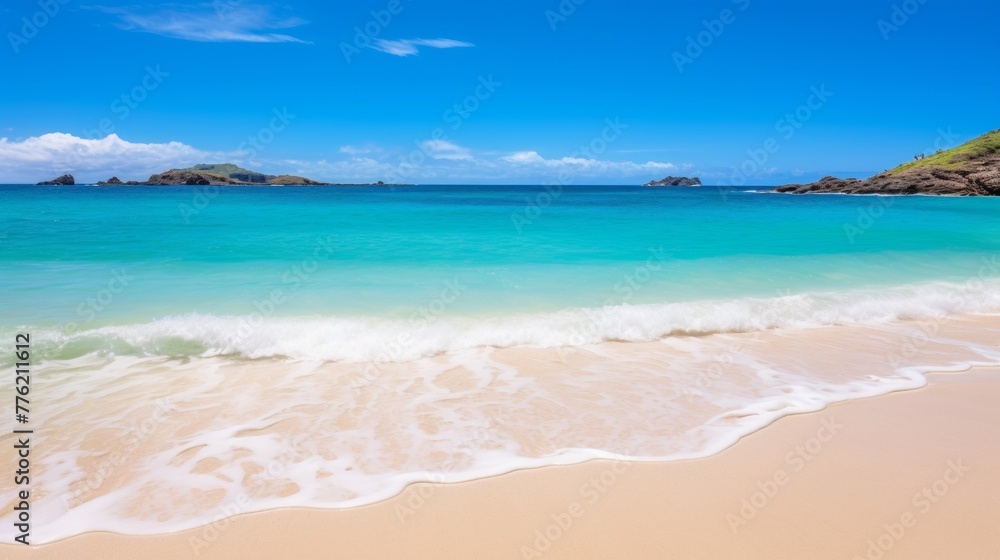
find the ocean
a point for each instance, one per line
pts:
(260, 347)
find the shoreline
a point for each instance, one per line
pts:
(150, 452)
(155, 456)
(759, 498)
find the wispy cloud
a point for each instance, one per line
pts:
(534, 160)
(448, 162)
(406, 47)
(222, 22)
(360, 150)
(442, 149)
(351, 170)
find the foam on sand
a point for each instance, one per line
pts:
(145, 445)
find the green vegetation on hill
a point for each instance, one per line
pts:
(986, 144)
(230, 171)
(222, 169)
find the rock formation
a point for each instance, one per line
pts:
(675, 182)
(221, 174)
(972, 169)
(63, 180)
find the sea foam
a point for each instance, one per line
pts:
(177, 423)
(153, 445)
(361, 339)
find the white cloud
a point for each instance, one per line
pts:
(352, 170)
(359, 150)
(36, 158)
(524, 158)
(221, 22)
(407, 47)
(585, 165)
(442, 149)
(434, 161)
(444, 161)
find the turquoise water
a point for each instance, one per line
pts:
(98, 257)
(357, 340)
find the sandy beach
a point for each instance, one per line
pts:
(907, 475)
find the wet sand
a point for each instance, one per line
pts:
(911, 475)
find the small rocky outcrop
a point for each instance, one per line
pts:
(63, 180)
(675, 182)
(292, 180)
(826, 184)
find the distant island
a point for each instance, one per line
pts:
(221, 174)
(63, 180)
(675, 182)
(972, 169)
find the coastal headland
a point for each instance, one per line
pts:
(972, 169)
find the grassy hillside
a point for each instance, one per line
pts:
(988, 143)
(227, 171)
(221, 169)
(231, 171)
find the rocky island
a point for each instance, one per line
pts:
(63, 180)
(675, 182)
(972, 169)
(220, 174)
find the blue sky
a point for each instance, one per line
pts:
(577, 92)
